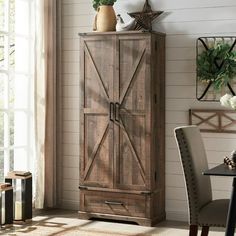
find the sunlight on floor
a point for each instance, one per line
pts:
(66, 223)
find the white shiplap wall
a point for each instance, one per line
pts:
(183, 22)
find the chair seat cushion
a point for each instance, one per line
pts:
(214, 213)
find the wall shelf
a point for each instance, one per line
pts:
(213, 121)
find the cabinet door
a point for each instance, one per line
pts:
(132, 131)
(96, 149)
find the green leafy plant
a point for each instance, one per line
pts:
(217, 64)
(97, 3)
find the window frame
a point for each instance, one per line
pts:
(11, 73)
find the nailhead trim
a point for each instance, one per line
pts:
(212, 225)
(193, 201)
(189, 177)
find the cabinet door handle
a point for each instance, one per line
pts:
(114, 203)
(83, 187)
(117, 111)
(111, 111)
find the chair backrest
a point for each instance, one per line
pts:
(194, 162)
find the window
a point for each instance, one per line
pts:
(16, 85)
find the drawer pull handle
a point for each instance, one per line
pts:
(114, 203)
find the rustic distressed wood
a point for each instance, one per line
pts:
(96, 129)
(213, 121)
(114, 203)
(133, 93)
(138, 220)
(122, 147)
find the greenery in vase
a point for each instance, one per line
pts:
(97, 3)
(217, 64)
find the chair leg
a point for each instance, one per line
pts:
(205, 230)
(193, 230)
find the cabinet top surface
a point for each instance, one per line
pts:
(139, 32)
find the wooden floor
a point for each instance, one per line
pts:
(58, 222)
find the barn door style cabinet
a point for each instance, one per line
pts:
(122, 136)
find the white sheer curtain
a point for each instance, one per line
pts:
(45, 103)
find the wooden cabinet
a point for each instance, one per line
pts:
(122, 126)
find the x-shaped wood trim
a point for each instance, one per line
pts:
(217, 128)
(128, 85)
(133, 150)
(96, 148)
(97, 72)
(205, 120)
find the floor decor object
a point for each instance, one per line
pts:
(22, 198)
(6, 204)
(216, 67)
(122, 117)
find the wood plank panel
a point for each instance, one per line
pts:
(96, 146)
(114, 203)
(217, 26)
(168, 4)
(134, 77)
(201, 14)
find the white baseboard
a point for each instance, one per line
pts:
(177, 216)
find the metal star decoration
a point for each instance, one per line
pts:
(145, 18)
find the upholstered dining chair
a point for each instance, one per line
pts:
(203, 210)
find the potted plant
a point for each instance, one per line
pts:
(217, 65)
(105, 19)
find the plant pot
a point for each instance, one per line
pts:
(106, 19)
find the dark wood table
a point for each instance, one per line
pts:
(223, 170)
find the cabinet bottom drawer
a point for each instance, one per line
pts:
(113, 203)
